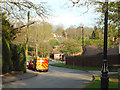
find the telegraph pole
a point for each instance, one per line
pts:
(104, 75)
(83, 39)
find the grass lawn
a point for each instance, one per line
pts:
(50, 60)
(114, 76)
(77, 67)
(30, 57)
(97, 83)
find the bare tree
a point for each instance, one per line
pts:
(41, 34)
(82, 3)
(17, 10)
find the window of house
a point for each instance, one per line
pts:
(57, 55)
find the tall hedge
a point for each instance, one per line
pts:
(18, 57)
(13, 57)
(6, 57)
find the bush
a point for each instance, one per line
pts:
(18, 57)
(53, 42)
(6, 57)
(87, 42)
(13, 57)
(95, 42)
(30, 48)
(92, 42)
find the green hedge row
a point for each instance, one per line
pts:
(18, 57)
(6, 57)
(13, 57)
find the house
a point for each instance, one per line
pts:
(31, 53)
(55, 48)
(57, 55)
(97, 49)
(59, 38)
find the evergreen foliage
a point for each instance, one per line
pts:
(6, 56)
(18, 57)
(13, 56)
(7, 30)
(53, 42)
(95, 34)
(70, 47)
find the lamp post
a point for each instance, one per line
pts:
(119, 26)
(104, 75)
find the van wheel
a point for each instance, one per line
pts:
(46, 70)
(34, 69)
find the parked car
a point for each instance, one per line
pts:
(28, 61)
(31, 64)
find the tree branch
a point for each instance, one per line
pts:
(20, 8)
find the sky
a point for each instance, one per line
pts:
(63, 14)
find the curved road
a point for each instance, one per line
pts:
(56, 77)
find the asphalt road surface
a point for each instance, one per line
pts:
(56, 77)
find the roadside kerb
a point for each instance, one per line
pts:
(13, 78)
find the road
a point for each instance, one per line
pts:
(56, 77)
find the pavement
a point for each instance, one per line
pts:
(7, 78)
(94, 73)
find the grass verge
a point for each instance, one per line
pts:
(97, 83)
(30, 57)
(114, 76)
(76, 67)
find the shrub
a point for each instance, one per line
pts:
(53, 42)
(18, 57)
(30, 48)
(6, 57)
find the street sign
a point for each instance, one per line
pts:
(104, 7)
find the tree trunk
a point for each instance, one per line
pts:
(26, 50)
(36, 51)
(65, 35)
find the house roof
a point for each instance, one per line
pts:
(114, 50)
(61, 39)
(57, 52)
(95, 49)
(59, 45)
